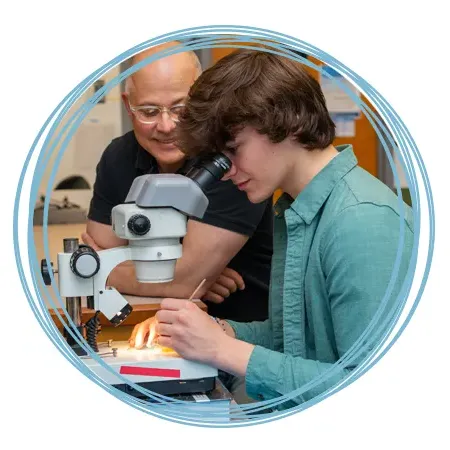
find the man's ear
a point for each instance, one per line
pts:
(126, 103)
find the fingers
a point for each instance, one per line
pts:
(152, 334)
(227, 283)
(146, 332)
(213, 297)
(140, 334)
(236, 277)
(223, 287)
(174, 304)
(132, 337)
(164, 341)
(163, 329)
(165, 316)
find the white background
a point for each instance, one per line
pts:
(49, 47)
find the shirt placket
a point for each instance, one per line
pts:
(277, 282)
(293, 294)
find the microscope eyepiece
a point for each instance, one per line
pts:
(209, 169)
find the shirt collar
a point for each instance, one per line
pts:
(311, 199)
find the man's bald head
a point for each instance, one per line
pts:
(179, 66)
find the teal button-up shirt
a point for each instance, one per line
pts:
(335, 248)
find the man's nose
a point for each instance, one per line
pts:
(165, 124)
(231, 173)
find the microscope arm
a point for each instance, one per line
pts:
(87, 276)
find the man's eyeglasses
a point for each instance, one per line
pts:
(151, 114)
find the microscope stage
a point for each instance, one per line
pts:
(157, 369)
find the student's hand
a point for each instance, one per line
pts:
(227, 283)
(192, 333)
(143, 334)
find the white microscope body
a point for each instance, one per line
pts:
(153, 219)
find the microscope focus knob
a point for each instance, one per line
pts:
(139, 224)
(45, 272)
(85, 262)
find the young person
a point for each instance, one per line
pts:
(336, 233)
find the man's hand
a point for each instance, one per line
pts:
(227, 283)
(143, 334)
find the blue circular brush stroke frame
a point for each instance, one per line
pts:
(398, 139)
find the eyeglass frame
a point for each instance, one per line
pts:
(161, 109)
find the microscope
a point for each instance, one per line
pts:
(153, 219)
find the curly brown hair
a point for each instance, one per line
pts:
(273, 94)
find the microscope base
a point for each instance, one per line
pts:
(172, 387)
(160, 371)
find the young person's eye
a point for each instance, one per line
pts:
(232, 149)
